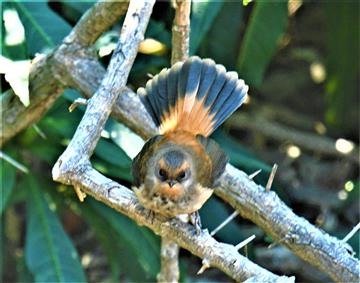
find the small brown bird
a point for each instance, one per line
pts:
(176, 171)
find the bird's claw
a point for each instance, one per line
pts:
(196, 221)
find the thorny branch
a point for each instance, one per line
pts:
(73, 166)
(263, 208)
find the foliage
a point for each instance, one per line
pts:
(54, 222)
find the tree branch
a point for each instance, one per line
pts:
(296, 233)
(49, 75)
(266, 210)
(223, 256)
(73, 166)
(309, 141)
(181, 31)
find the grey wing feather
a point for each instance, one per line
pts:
(139, 166)
(218, 157)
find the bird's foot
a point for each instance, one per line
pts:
(196, 221)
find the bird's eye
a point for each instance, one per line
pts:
(162, 173)
(181, 176)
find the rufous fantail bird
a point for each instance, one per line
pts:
(176, 171)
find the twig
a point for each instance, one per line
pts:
(181, 31)
(351, 233)
(13, 162)
(306, 140)
(224, 223)
(271, 177)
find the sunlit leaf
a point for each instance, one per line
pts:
(342, 61)
(17, 75)
(267, 25)
(229, 18)
(50, 254)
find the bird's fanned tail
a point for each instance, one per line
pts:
(196, 96)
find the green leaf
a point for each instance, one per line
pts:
(120, 257)
(50, 254)
(239, 155)
(342, 62)
(139, 241)
(229, 18)
(43, 27)
(112, 154)
(202, 16)
(7, 181)
(267, 24)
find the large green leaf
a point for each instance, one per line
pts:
(342, 86)
(121, 258)
(138, 241)
(43, 27)
(202, 16)
(49, 253)
(7, 182)
(267, 24)
(229, 18)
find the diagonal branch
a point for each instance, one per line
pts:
(49, 76)
(265, 209)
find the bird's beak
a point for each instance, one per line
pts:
(171, 183)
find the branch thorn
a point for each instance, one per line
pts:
(245, 242)
(271, 177)
(224, 223)
(80, 194)
(76, 103)
(205, 265)
(253, 175)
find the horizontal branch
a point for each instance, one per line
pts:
(223, 256)
(306, 140)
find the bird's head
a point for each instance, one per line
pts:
(171, 173)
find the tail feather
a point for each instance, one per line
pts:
(195, 96)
